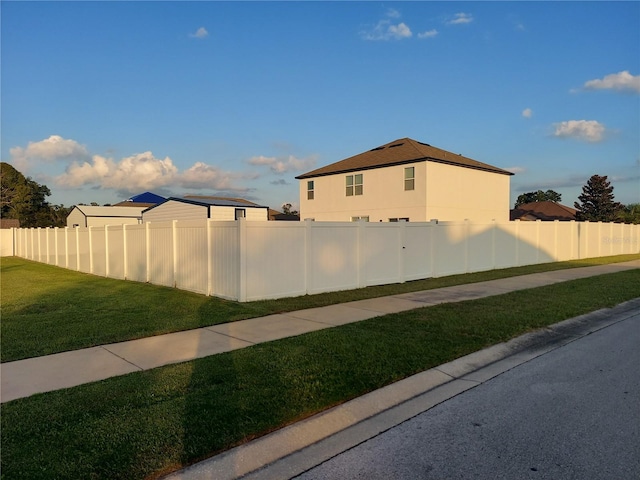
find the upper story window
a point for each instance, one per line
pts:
(409, 178)
(310, 191)
(354, 185)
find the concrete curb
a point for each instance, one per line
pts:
(292, 450)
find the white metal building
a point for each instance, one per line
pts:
(96, 216)
(200, 208)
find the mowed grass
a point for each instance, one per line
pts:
(149, 423)
(46, 309)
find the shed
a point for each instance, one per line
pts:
(96, 216)
(200, 208)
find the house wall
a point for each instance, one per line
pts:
(383, 196)
(441, 191)
(455, 194)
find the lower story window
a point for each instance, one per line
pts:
(399, 219)
(363, 218)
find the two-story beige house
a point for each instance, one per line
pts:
(405, 180)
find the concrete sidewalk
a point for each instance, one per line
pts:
(23, 378)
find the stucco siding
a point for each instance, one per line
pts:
(383, 196)
(441, 191)
(455, 193)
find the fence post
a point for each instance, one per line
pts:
(433, 234)
(147, 243)
(308, 259)
(493, 244)
(466, 245)
(517, 240)
(77, 229)
(91, 250)
(210, 286)
(174, 250)
(66, 247)
(242, 263)
(555, 240)
(538, 223)
(106, 250)
(125, 252)
(402, 250)
(360, 236)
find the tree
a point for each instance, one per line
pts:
(25, 199)
(539, 196)
(629, 214)
(286, 209)
(597, 201)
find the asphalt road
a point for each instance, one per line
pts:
(573, 413)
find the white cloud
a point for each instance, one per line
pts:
(202, 175)
(393, 13)
(200, 33)
(587, 130)
(136, 173)
(399, 31)
(48, 150)
(460, 19)
(281, 165)
(428, 34)
(385, 30)
(622, 81)
(515, 169)
(527, 113)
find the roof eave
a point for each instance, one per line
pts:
(404, 162)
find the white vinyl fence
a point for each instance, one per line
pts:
(245, 261)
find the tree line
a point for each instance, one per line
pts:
(596, 202)
(25, 199)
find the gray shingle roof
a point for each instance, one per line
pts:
(404, 150)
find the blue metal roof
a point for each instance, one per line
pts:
(147, 197)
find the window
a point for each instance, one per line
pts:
(240, 213)
(401, 219)
(354, 185)
(363, 218)
(310, 191)
(409, 178)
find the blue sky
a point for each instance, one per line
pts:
(104, 100)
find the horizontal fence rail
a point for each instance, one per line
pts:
(245, 261)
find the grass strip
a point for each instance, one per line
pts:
(149, 423)
(47, 309)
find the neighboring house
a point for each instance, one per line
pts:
(405, 180)
(286, 217)
(95, 216)
(545, 211)
(9, 223)
(146, 199)
(194, 207)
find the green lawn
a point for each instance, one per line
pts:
(144, 424)
(46, 309)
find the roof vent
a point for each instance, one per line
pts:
(396, 145)
(377, 148)
(424, 144)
